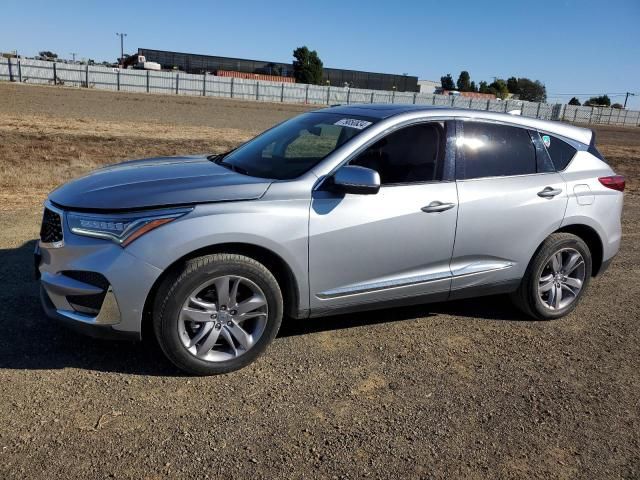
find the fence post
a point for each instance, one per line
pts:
(433, 99)
(348, 95)
(231, 87)
(328, 94)
(55, 74)
(118, 79)
(393, 97)
(591, 114)
(538, 112)
(372, 95)
(204, 84)
(453, 99)
(282, 93)
(86, 76)
(488, 104)
(10, 71)
(415, 94)
(177, 83)
(257, 90)
(470, 102)
(306, 94)
(19, 71)
(147, 81)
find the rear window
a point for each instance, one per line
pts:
(560, 151)
(592, 148)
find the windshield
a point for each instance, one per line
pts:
(292, 148)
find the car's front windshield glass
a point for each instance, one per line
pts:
(292, 148)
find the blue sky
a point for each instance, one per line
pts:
(572, 46)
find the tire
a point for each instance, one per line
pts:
(548, 305)
(174, 310)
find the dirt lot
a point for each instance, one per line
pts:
(462, 390)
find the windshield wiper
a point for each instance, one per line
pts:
(232, 167)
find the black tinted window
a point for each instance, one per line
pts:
(560, 151)
(491, 150)
(409, 155)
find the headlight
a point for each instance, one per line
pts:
(121, 228)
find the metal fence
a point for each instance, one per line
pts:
(180, 83)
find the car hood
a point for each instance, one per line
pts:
(155, 182)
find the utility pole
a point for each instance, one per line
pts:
(73, 57)
(121, 35)
(627, 98)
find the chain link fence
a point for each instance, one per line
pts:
(180, 83)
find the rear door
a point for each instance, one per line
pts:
(510, 200)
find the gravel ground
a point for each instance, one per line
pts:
(467, 389)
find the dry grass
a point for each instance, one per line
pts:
(38, 153)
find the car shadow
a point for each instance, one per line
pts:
(30, 340)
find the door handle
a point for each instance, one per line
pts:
(437, 206)
(549, 192)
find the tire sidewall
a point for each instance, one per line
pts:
(540, 310)
(168, 333)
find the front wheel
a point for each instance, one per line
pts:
(556, 277)
(218, 314)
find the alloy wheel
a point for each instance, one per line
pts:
(561, 279)
(223, 318)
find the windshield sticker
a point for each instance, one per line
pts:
(546, 139)
(353, 123)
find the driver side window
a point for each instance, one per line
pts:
(413, 154)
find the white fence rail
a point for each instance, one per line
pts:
(180, 83)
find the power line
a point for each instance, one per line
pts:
(585, 94)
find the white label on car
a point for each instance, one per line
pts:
(546, 139)
(353, 123)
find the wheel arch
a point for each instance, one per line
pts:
(275, 263)
(591, 237)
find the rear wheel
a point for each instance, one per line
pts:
(556, 278)
(218, 314)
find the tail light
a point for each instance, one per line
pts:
(614, 182)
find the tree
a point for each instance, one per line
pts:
(574, 101)
(307, 66)
(531, 91)
(48, 55)
(447, 82)
(512, 85)
(499, 88)
(464, 81)
(473, 87)
(601, 101)
(483, 87)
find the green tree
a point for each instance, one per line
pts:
(48, 55)
(464, 81)
(473, 87)
(531, 91)
(483, 87)
(574, 101)
(447, 82)
(307, 66)
(602, 100)
(512, 85)
(499, 88)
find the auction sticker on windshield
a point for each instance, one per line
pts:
(353, 123)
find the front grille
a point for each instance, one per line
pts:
(51, 229)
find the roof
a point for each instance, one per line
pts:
(387, 110)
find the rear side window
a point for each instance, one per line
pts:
(493, 150)
(560, 151)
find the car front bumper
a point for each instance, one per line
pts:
(111, 307)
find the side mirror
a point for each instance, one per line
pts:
(354, 179)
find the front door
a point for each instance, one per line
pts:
(396, 244)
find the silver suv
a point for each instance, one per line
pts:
(343, 209)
